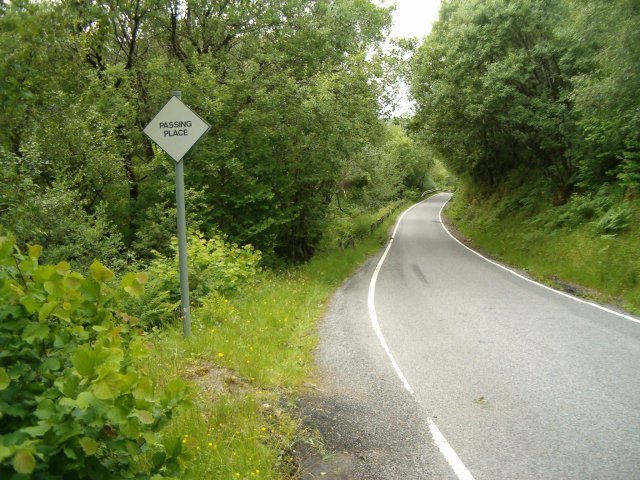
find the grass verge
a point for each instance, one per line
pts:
(576, 257)
(247, 358)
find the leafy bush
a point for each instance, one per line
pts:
(578, 210)
(75, 402)
(346, 228)
(630, 168)
(615, 220)
(217, 309)
(56, 216)
(214, 265)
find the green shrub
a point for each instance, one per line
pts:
(345, 229)
(56, 216)
(615, 220)
(214, 265)
(578, 210)
(339, 231)
(75, 400)
(217, 309)
(361, 226)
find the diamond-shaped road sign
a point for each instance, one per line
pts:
(176, 128)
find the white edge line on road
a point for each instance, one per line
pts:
(372, 308)
(438, 439)
(576, 299)
(449, 453)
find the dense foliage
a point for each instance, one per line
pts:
(548, 88)
(75, 399)
(290, 87)
(216, 268)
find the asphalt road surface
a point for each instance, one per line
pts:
(495, 377)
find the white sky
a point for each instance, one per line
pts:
(412, 18)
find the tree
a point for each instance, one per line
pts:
(294, 99)
(607, 93)
(492, 86)
(287, 85)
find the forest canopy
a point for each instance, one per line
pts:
(550, 88)
(292, 90)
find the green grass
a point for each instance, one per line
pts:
(606, 266)
(247, 359)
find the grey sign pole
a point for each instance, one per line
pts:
(176, 129)
(182, 242)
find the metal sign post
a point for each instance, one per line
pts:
(182, 243)
(175, 129)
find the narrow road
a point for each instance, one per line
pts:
(521, 381)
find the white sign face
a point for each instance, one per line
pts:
(176, 128)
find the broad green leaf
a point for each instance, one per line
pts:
(54, 288)
(24, 462)
(87, 310)
(31, 304)
(130, 428)
(4, 379)
(46, 409)
(90, 289)
(44, 273)
(28, 266)
(127, 380)
(143, 389)
(49, 365)
(68, 430)
(142, 278)
(89, 445)
(174, 393)
(46, 310)
(70, 453)
(35, 251)
(84, 361)
(100, 272)
(139, 347)
(5, 452)
(131, 285)
(132, 447)
(108, 387)
(36, 431)
(107, 361)
(73, 281)
(85, 400)
(118, 414)
(6, 250)
(63, 311)
(16, 289)
(63, 268)
(68, 385)
(145, 417)
(68, 403)
(35, 331)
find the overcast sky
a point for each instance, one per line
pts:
(413, 18)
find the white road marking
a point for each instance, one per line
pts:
(448, 452)
(576, 299)
(438, 439)
(372, 309)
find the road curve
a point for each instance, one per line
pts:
(522, 382)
